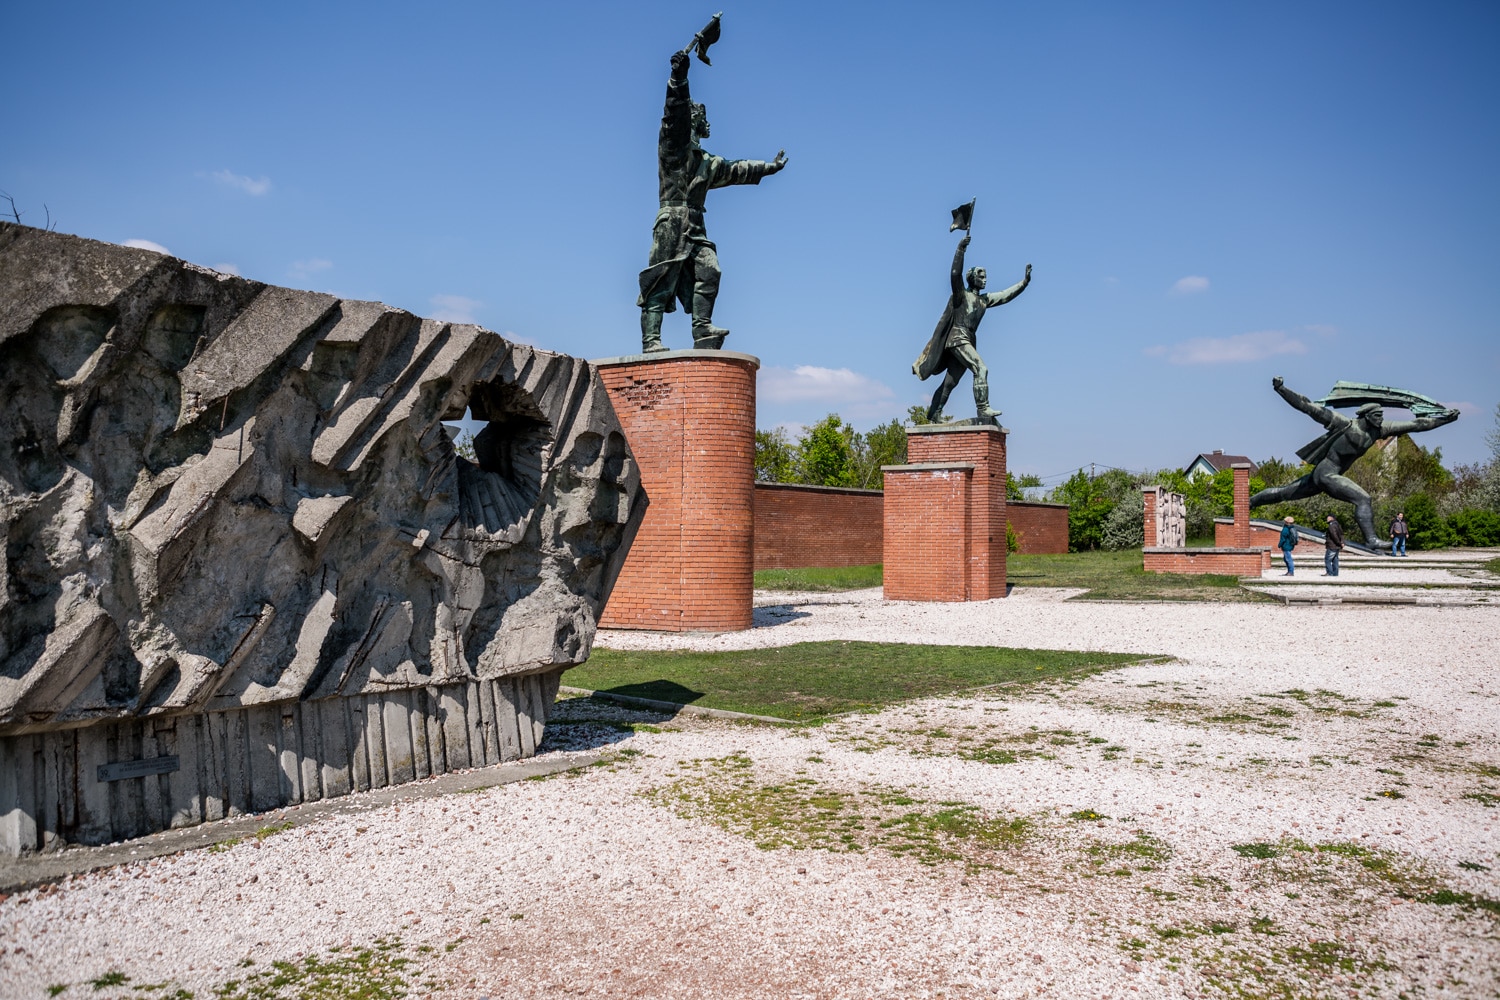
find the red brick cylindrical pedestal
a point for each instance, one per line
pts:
(689, 417)
(945, 515)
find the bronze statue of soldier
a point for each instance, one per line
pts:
(684, 263)
(952, 349)
(1341, 446)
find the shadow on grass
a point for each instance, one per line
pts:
(657, 690)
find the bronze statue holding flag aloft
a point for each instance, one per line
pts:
(952, 349)
(684, 264)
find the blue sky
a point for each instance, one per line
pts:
(1211, 194)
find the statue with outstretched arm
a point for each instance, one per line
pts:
(684, 264)
(1338, 449)
(953, 349)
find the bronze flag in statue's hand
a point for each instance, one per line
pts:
(703, 39)
(963, 216)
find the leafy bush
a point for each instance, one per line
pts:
(1012, 540)
(1476, 527)
(1087, 510)
(1428, 529)
(1125, 527)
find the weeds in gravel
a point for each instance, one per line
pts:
(272, 829)
(377, 972)
(801, 813)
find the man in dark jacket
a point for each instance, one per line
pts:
(1333, 544)
(1287, 543)
(1399, 531)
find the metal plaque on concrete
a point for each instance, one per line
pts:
(122, 769)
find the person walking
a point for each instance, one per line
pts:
(1287, 543)
(1399, 531)
(1333, 544)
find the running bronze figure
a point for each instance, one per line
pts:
(1340, 447)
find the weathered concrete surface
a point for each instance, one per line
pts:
(217, 494)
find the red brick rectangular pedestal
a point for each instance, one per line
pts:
(689, 417)
(945, 515)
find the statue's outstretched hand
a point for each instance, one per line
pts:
(1028, 272)
(680, 59)
(780, 162)
(963, 244)
(1277, 382)
(1448, 416)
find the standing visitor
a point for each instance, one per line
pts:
(1333, 543)
(1287, 543)
(1399, 531)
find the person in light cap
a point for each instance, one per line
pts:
(1287, 543)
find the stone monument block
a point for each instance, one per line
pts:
(245, 566)
(690, 420)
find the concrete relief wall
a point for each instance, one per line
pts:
(218, 495)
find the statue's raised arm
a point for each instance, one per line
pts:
(1393, 428)
(683, 267)
(1000, 298)
(1321, 414)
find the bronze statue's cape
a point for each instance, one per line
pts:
(930, 361)
(1315, 451)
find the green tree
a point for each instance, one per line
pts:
(1087, 511)
(775, 457)
(1016, 486)
(882, 445)
(825, 456)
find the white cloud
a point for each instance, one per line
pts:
(233, 269)
(1190, 285)
(304, 269)
(147, 245)
(454, 308)
(1225, 350)
(1467, 409)
(811, 384)
(1322, 329)
(253, 186)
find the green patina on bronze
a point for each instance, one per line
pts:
(684, 263)
(952, 349)
(1347, 438)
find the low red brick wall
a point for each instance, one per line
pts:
(1237, 562)
(1041, 528)
(797, 526)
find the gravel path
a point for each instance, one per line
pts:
(1072, 840)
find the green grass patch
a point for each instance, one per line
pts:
(1260, 851)
(810, 681)
(1119, 576)
(820, 578)
(801, 813)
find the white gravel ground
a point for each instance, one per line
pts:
(1279, 726)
